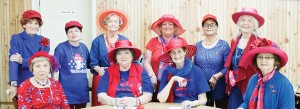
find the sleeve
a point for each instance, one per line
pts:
(88, 60)
(25, 63)
(24, 99)
(225, 55)
(13, 66)
(59, 54)
(248, 92)
(146, 82)
(202, 82)
(103, 87)
(286, 96)
(64, 102)
(164, 81)
(94, 58)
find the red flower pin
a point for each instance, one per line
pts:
(45, 42)
(260, 43)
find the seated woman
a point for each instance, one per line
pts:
(268, 88)
(40, 91)
(125, 83)
(182, 82)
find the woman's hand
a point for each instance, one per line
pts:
(153, 79)
(12, 91)
(100, 70)
(16, 58)
(181, 81)
(186, 104)
(127, 102)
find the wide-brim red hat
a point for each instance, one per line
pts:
(209, 16)
(101, 16)
(167, 17)
(32, 14)
(251, 12)
(177, 43)
(53, 61)
(267, 48)
(124, 44)
(73, 23)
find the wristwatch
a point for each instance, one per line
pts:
(14, 84)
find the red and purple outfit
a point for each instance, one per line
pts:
(31, 97)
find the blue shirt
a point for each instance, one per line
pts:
(72, 73)
(279, 93)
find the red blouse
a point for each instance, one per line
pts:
(31, 97)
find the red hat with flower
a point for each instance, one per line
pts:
(167, 17)
(32, 14)
(177, 43)
(124, 44)
(251, 12)
(72, 24)
(266, 46)
(101, 16)
(53, 61)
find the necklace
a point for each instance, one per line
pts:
(209, 43)
(47, 82)
(111, 45)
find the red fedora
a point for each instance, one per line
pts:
(251, 12)
(73, 23)
(101, 16)
(177, 43)
(167, 17)
(266, 46)
(124, 44)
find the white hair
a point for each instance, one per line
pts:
(254, 32)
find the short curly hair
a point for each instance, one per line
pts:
(24, 21)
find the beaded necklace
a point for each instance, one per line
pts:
(111, 45)
(47, 82)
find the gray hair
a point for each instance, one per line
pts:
(254, 32)
(109, 16)
(39, 59)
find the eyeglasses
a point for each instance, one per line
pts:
(211, 25)
(268, 58)
(170, 25)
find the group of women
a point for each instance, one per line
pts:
(245, 75)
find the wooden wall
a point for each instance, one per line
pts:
(282, 19)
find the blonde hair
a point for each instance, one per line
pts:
(39, 59)
(109, 16)
(254, 32)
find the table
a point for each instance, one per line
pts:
(153, 105)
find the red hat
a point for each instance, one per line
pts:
(209, 16)
(32, 14)
(251, 12)
(73, 23)
(54, 63)
(177, 43)
(124, 44)
(266, 46)
(101, 16)
(167, 17)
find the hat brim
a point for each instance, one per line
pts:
(155, 26)
(101, 16)
(138, 53)
(260, 19)
(190, 52)
(281, 54)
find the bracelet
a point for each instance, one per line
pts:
(215, 78)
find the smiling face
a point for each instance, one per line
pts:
(265, 62)
(210, 27)
(178, 56)
(113, 22)
(167, 28)
(74, 34)
(32, 26)
(40, 67)
(247, 24)
(124, 57)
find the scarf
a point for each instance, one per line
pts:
(257, 98)
(134, 79)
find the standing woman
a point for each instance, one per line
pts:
(210, 57)
(111, 22)
(268, 88)
(22, 47)
(167, 27)
(73, 56)
(182, 82)
(239, 72)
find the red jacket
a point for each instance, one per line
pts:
(245, 70)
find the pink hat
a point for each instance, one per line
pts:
(248, 11)
(266, 46)
(124, 44)
(177, 43)
(73, 23)
(209, 16)
(101, 16)
(32, 14)
(53, 61)
(167, 17)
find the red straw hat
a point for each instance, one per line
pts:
(124, 44)
(101, 16)
(73, 23)
(32, 14)
(209, 16)
(248, 11)
(177, 43)
(266, 46)
(54, 63)
(167, 17)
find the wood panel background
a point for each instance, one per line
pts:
(282, 18)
